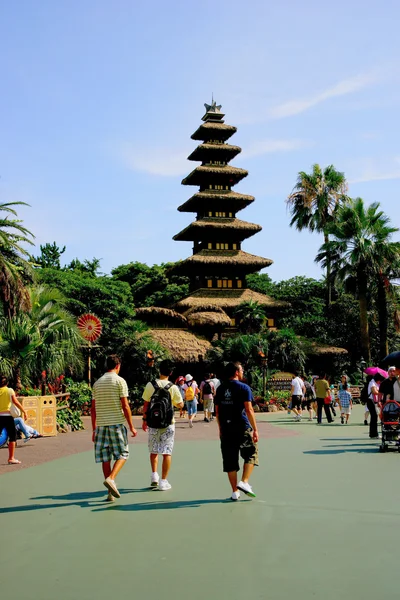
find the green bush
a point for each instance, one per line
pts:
(68, 417)
(80, 394)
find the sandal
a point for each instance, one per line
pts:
(14, 461)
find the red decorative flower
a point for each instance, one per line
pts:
(89, 327)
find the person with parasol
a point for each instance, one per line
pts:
(375, 376)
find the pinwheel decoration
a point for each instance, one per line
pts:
(89, 327)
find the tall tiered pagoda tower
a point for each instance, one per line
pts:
(218, 266)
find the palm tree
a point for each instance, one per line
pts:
(386, 291)
(251, 316)
(45, 338)
(358, 252)
(314, 201)
(15, 268)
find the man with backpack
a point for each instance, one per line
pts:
(207, 391)
(160, 396)
(191, 393)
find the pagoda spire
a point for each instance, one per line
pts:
(218, 262)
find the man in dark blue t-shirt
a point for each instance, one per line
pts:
(237, 428)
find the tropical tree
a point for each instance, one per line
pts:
(250, 316)
(50, 255)
(285, 350)
(15, 265)
(361, 247)
(45, 338)
(313, 203)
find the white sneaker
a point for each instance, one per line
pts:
(235, 496)
(155, 478)
(246, 488)
(112, 488)
(164, 485)
(190, 424)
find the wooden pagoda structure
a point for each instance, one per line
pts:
(218, 266)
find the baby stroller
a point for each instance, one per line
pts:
(390, 425)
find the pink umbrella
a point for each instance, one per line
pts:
(374, 370)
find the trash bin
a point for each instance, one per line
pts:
(42, 413)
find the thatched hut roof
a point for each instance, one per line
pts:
(209, 318)
(226, 226)
(222, 258)
(224, 200)
(155, 314)
(316, 349)
(225, 299)
(214, 151)
(221, 174)
(214, 130)
(182, 345)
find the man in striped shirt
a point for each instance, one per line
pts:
(110, 409)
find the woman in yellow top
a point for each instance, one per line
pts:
(7, 396)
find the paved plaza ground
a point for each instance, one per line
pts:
(324, 524)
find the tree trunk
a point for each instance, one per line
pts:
(364, 328)
(328, 276)
(17, 380)
(382, 319)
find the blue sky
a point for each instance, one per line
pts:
(98, 101)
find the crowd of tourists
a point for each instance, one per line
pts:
(230, 401)
(320, 394)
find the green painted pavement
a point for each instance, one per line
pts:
(324, 524)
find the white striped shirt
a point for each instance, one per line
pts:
(107, 394)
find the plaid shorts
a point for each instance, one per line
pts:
(111, 442)
(161, 441)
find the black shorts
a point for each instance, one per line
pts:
(296, 402)
(307, 403)
(233, 444)
(7, 423)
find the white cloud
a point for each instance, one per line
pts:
(167, 163)
(156, 161)
(261, 147)
(347, 86)
(371, 171)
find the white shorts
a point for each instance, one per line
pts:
(161, 441)
(346, 410)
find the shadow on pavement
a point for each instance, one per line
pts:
(96, 501)
(165, 505)
(360, 450)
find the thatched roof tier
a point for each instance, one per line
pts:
(211, 227)
(214, 151)
(155, 314)
(204, 308)
(225, 299)
(216, 200)
(209, 319)
(182, 345)
(214, 131)
(221, 175)
(213, 260)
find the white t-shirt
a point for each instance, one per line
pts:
(297, 385)
(396, 390)
(371, 384)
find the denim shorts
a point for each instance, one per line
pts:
(191, 407)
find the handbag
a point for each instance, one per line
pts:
(327, 400)
(14, 411)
